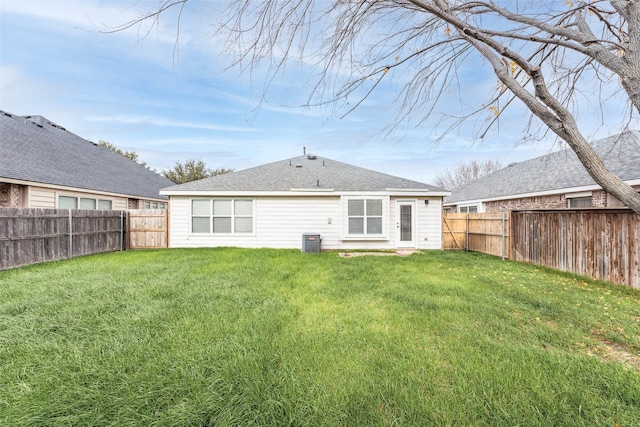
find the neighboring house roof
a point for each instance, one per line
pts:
(303, 173)
(560, 170)
(36, 150)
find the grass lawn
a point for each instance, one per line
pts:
(228, 337)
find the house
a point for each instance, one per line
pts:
(43, 165)
(554, 181)
(274, 205)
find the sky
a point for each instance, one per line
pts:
(168, 101)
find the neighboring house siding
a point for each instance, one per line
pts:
(40, 197)
(280, 222)
(599, 199)
(555, 201)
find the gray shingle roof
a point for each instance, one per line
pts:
(555, 171)
(37, 150)
(304, 172)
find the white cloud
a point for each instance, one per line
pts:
(159, 122)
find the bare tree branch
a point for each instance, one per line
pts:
(551, 56)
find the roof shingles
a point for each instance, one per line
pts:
(34, 149)
(555, 171)
(303, 173)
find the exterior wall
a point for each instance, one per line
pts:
(556, 201)
(41, 197)
(11, 195)
(280, 222)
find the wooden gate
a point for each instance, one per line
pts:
(147, 229)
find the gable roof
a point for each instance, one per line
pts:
(36, 150)
(303, 173)
(560, 171)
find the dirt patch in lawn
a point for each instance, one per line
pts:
(380, 253)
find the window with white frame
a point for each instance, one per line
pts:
(222, 216)
(468, 209)
(70, 202)
(66, 202)
(365, 216)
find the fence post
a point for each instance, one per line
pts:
(121, 231)
(504, 237)
(466, 240)
(70, 254)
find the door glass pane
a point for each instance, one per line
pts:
(244, 225)
(222, 225)
(244, 207)
(356, 208)
(356, 225)
(374, 225)
(405, 223)
(374, 207)
(200, 225)
(198, 207)
(222, 207)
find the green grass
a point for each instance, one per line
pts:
(206, 337)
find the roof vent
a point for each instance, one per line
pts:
(311, 157)
(512, 164)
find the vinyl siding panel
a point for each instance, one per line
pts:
(429, 223)
(40, 197)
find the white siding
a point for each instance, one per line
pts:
(281, 221)
(429, 223)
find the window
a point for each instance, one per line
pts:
(468, 209)
(68, 202)
(579, 202)
(65, 202)
(222, 216)
(87, 203)
(104, 205)
(364, 216)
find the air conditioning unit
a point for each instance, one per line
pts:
(311, 242)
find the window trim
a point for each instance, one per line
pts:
(233, 216)
(384, 235)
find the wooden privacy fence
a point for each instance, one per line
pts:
(598, 243)
(477, 232)
(28, 236)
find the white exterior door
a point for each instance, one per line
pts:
(405, 224)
